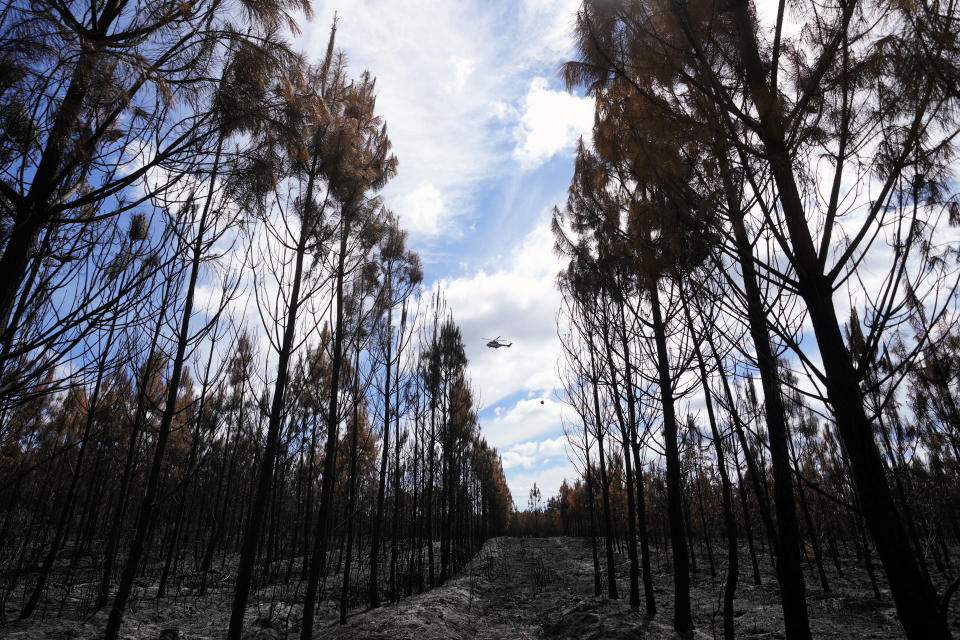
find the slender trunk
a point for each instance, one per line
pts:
(217, 534)
(756, 479)
(866, 557)
(185, 489)
(650, 602)
(701, 509)
(746, 522)
(604, 484)
(329, 463)
(416, 508)
(151, 495)
(431, 474)
(67, 512)
(113, 540)
(352, 498)
(446, 460)
(395, 528)
(628, 467)
(729, 520)
(308, 507)
(895, 467)
(430, 455)
(689, 528)
(374, 589)
(597, 582)
(641, 509)
(811, 529)
(682, 618)
(258, 510)
(789, 571)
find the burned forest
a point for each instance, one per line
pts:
(247, 384)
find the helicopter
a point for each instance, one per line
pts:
(496, 343)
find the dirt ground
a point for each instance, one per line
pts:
(515, 588)
(542, 588)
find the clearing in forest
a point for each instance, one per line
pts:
(523, 588)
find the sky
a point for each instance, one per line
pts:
(485, 134)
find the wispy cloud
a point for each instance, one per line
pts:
(453, 83)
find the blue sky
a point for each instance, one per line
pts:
(485, 135)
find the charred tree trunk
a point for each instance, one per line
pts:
(258, 510)
(597, 581)
(329, 464)
(67, 512)
(682, 618)
(151, 494)
(395, 528)
(374, 589)
(139, 416)
(729, 519)
(352, 498)
(628, 467)
(604, 485)
(787, 549)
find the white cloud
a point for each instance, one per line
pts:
(555, 447)
(518, 302)
(515, 428)
(538, 450)
(550, 124)
(422, 210)
(503, 111)
(512, 459)
(544, 462)
(462, 70)
(525, 448)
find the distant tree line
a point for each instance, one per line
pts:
(157, 162)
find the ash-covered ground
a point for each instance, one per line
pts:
(543, 588)
(515, 588)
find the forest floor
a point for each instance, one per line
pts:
(542, 588)
(515, 588)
